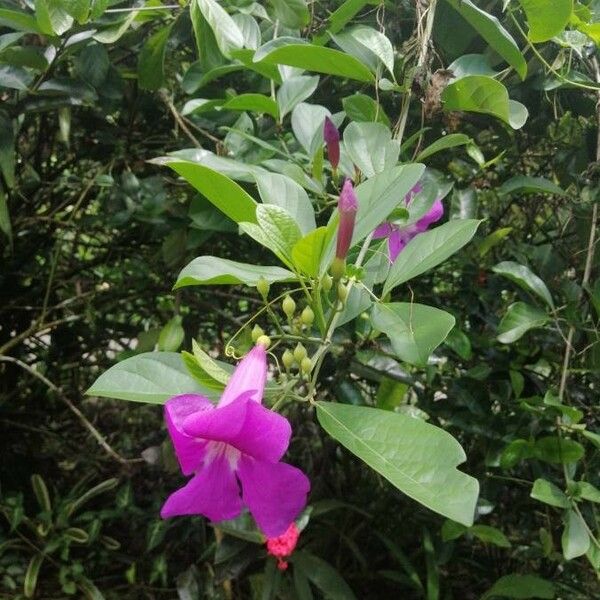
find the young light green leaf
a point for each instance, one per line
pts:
(211, 270)
(490, 535)
(307, 253)
(253, 102)
(546, 492)
(415, 330)
(208, 364)
(493, 239)
(521, 587)
(575, 538)
(524, 277)
(227, 34)
(518, 320)
(444, 143)
(416, 457)
(279, 228)
(429, 249)
(587, 491)
(529, 185)
(151, 377)
(295, 90)
(171, 335)
(371, 147)
(151, 62)
(492, 31)
(546, 18)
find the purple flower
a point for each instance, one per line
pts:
(331, 135)
(347, 207)
(233, 451)
(399, 236)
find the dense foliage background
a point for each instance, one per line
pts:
(92, 237)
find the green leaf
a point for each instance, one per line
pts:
(253, 102)
(416, 457)
(315, 58)
(340, 17)
(429, 249)
(21, 21)
(493, 239)
(284, 192)
(587, 491)
(360, 107)
(16, 78)
(515, 452)
(209, 365)
(490, 535)
(529, 185)
(518, 320)
(492, 31)
(481, 94)
(250, 30)
(415, 330)
(41, 492)
(291, 13)
(307, 125)
(444, 143)
(557, 451)
(227, 34)
(52, 18)
(151, 62)
(323, 576)
(295, 90)
(367, 45)
(31, 576)
(7, 160)
(524, 277)
(223, 192)
(152, 377)
(546, 18)
(171, 335)
(370, 147)
(548, 493)
(308, 251)
(592, 437)
(24, 56)
(92, 64)
(211, 270)
(471, 64)
(78, 9)
(5, 225)
(521, 587)
(575, 538)
(459, 342)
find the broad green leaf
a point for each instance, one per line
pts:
(492, 31)
(479, 94)
(253, 102)
(340, 17)
(416, 457)
(316, 58)
(21, 21)
(524, 277)
(202, 377)
(307, 125)
(78, 9)
(227, 34)
(323, 576)
(284, 192)
(557, 451)
(9, 39)
(490, 535)
(196, 77)
(367, 45)
(279, 228)
(471, 64)
(575, 539)
(521, 587)
(24, 56)
(224, 193)
(112, 33)
(152, 377)
(587, 491)
(7, 149)
(250, 30)
(16, 78)
(515, 452)
(211, 270)
(546, 18)
(295, 90)
(429, 249)
(370, 147)
(208, 364)
(444, 143)
(171, 335)
(291, 13)
(200, 105)
(546, 492)
(529, 185)
(92, 64)
(151, 62)
(52, 18)
(307, 253)
(360, 107)
(415, 330)
(518, 320)
(574, 414)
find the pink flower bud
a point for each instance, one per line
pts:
(331, 135)
(282, 546)
(347, 207)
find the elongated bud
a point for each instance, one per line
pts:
(288, 360)
(257, 331)
(307, 316)
(289, 306)
(342, 292)
(306, 365)
(264, 340)
(300, 353)
(331, 135)
(262, 285)
(326, 282)
(347, 207)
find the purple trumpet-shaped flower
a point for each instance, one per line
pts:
(347, 207)
(399, 236)
(233, 451)
(331, 135)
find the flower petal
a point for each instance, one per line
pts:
(249, 375)
(435, 213)
(275, 493)
(189, 451)
(396, 243)
(213, 492)
(245, 425)
(383, 231)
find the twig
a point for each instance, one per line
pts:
(179, 119)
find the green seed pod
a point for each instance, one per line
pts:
(264, 340)
(342, 292)
(326, 282)
(263, 286)
(257, 331)
(307, 316)
(289, 306)
(299, 353)
(288, 360)
(306, 365)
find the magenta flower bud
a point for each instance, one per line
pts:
(347, 207)
(331, 135)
